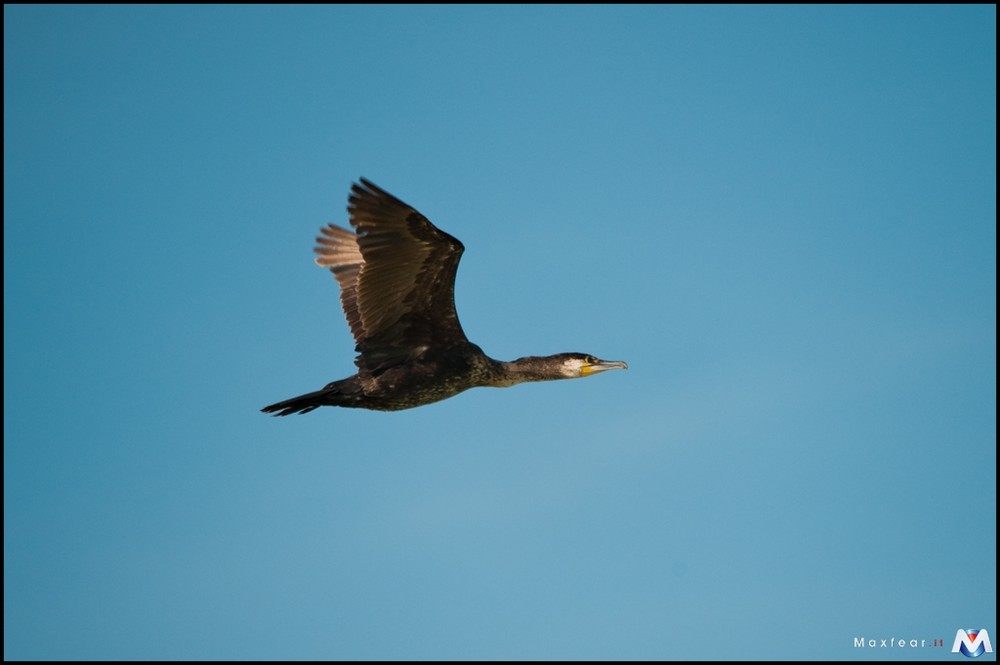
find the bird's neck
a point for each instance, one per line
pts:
(532, 368)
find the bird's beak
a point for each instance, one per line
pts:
(603, 366)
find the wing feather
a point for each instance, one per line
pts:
(338, 250)
(396, 277)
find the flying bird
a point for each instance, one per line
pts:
(396, 273)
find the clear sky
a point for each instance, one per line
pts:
(783, 218)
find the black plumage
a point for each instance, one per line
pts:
(396, 273)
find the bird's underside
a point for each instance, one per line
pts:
(403, 386)
(396, 273)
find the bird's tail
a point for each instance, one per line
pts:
(332, 395)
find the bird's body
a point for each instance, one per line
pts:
(397, 280)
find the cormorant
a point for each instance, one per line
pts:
(397, 288)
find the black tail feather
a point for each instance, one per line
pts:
(332, 395)
(300, 404)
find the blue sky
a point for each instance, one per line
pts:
(783, 218)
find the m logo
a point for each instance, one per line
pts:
(972, 643)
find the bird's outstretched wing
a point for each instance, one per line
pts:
(397, 278)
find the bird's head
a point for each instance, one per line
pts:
(559, 366)
(576, 365)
